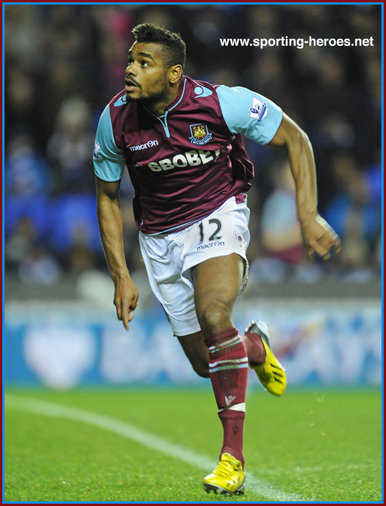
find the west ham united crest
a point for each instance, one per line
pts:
(199, 134)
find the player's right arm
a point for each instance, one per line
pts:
(111, 232)
(109, 162)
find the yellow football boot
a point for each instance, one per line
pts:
(228, 478)
(271, 373)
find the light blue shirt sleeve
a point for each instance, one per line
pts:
(249, 113)
(108, 159)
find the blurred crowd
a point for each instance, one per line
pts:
(63, 63)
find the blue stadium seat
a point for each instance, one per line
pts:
(35, 207)
(71, 212)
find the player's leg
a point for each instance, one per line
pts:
(197, 352)
(260, 357)
(217, 282)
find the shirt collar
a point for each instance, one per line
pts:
(179, 97)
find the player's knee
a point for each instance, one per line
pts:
(201, 368)
(200, 364)
(213, 315)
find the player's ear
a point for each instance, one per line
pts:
(175, 73)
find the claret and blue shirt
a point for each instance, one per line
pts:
(189, 161)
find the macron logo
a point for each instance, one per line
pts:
(148, 144)
(229, 399)
(202, 92)
(121, 101)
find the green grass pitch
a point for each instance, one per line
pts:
(98, 445)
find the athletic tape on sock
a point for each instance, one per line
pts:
(235, 407)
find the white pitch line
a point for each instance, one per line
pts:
(146, 439)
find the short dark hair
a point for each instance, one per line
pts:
(174, 48)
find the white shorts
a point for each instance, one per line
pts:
(169, 258)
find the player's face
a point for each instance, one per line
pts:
(146, 74)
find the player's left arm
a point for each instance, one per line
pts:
(262, 121)
(318, 235)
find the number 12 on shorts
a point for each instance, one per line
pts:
(212, 228)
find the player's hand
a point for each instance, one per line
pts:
(319, 237)
(125, 300)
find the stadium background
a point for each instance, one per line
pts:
(63, 63)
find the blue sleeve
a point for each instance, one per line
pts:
(108, 159)
(249, 113)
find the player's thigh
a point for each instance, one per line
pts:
(218, 280)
